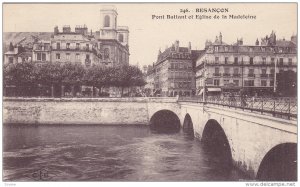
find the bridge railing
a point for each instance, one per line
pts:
(283, 107)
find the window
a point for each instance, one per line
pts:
(68, 56)
(57, 56)
(251, 60)
(236, 71)
(290, 62)
(226, 71)
(263, 83)
(57, 45)
(87, 57)
(38, 56)
(226, 60)
(11, 60)
(264, 71)
(87, 46)
(77, 45)
(217, 71)
(272, 60)
(281, 62)
(77, 57)
(263, 61)
(106, 21)
(236, 60)
(272, 71)
(263, 49)
(106, 54)
(226, 49)
(251, 72)
(121, 37)
(216, 59)
(216, 82)
(43, 57)
(249, 82)
(226, 81)
(272, 83)
(236, 82)
(68, 46)
(216, 49)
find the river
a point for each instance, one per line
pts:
(108, 153)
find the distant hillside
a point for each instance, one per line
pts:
(15, 37)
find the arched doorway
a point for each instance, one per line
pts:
(216, 142)
(279, 164)
(188, 127)
(165, 121)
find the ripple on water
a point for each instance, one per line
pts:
(111, 154)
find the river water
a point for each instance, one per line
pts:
(108, 153)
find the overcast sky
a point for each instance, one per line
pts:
(148, 35)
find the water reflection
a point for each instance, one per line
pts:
(108, 153)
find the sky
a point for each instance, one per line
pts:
(147, 35)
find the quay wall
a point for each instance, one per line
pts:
(82, 110)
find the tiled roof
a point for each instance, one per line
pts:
(285, 43)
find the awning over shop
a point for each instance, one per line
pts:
(200, 92)
(214, 89)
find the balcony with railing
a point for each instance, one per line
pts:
(226, 75)
(217, 74)
(251, 75)
(236, 75)
(263, 75)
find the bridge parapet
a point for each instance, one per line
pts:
(282, 107)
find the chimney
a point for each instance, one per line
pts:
(257, 42)
(176, 45)
(190, 47)
(66, 29)
(241, 41)
(56, 30)
(220, 37)
(294, 39)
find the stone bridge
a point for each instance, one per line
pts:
(264, 147)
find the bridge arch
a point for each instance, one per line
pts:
(164, 121)
(216, 141)
(188, 126)
(280, 163)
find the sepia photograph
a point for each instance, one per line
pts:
(150, 92)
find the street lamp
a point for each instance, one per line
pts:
(204, 81)
(275, 71)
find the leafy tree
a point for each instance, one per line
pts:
(287, 83)
(21, 75)
(72, 73)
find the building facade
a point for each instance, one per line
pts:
(77, 47)
(251, 69)
(173, 72)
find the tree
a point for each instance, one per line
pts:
(287, 83)
(72, 73)
(21, 75)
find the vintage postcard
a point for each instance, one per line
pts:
(167, 92)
